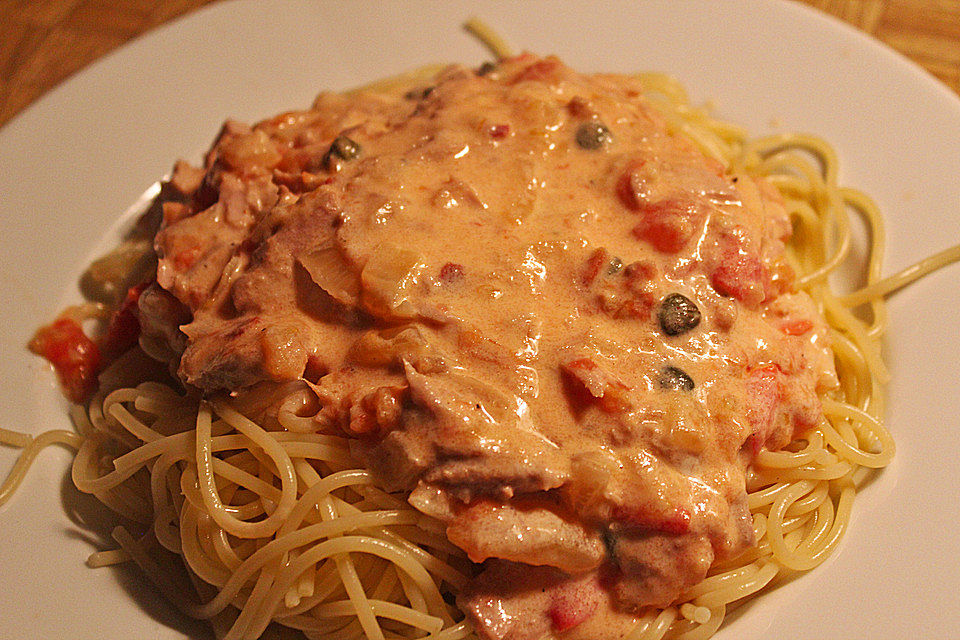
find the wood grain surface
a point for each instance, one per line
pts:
(42, 42)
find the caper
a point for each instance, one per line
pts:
(675, 379)
(614, 265)
(593, 135)
(486, 68)
(344, 148)
(678, 314)
(341, 149)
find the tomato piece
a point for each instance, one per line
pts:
(362, 421)
(739, 273)
(666, 224)
(609, 393)
(123, 332)
(75, 357)
(573, 603)
(540, 70)
(631, 188)
(597, 261)
(796, 327)
(764, 394)
(666, 218)
(740, 277)
(638, 306)
(615, 398)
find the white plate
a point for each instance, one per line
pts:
(85, 151)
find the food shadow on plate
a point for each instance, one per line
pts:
(93, 523)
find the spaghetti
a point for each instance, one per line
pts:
(280, 527)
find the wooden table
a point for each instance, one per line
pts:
(45, 41)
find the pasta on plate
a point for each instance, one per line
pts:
(511, 352)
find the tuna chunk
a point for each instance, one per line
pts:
(527, 532)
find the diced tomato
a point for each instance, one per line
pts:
(74, 356)
(639, 274)
(675, 521)
(581, 365)
(295, 160)
(638, 306)
(615, 398)
(740, 277)
(666, 224)
(796, 327)
(597, 261)
(764, 393)
(629, 187)
(124, 328)
(540, 70)
(739, 273)
(573, 604)
(633, 294)
(608, 392)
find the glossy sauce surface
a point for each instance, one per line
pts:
(557, 323)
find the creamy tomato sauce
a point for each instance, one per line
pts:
(557, 324)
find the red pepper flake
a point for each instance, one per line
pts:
(74, 356)
(499, 131)
(580, 107)
(451, 272)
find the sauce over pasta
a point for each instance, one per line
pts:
(558, 325)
